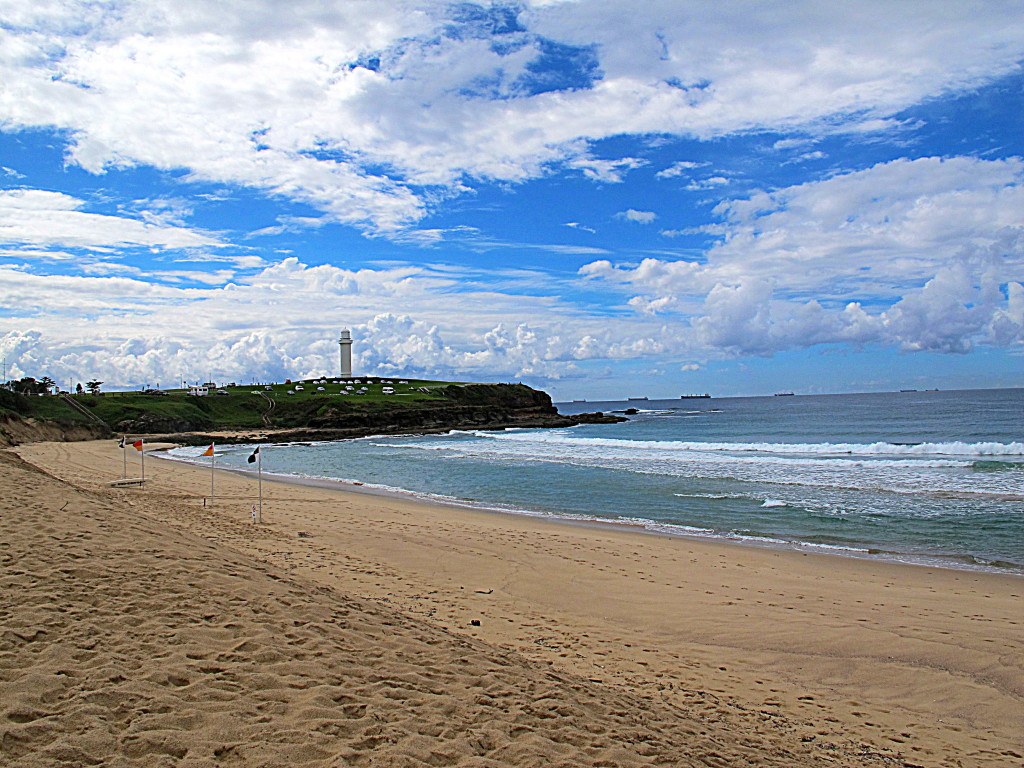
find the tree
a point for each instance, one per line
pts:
(27, 386)
(78, 388)
(47, 384)
(93, 386)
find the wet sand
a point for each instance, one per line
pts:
(647, 649)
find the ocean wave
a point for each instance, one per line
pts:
(998, 466)
(585, 453)
(711, 495)
(955, 448)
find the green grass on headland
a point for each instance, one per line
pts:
(294, 404)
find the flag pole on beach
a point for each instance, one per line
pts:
(258, 458)
(213, 466)
(139, 446)
(124, 456)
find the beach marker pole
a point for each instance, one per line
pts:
(213, 466)
(124, 457)
(142, 455)
(257, 456)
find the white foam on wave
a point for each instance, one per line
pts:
(711, 495)
(573, 451)
(955, 448)
(774, 503)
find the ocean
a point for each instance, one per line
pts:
(931, 477)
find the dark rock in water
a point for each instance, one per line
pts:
(597, 417)
(631, 411)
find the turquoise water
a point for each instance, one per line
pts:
(929, 477)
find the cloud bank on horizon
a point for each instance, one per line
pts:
(564, 192)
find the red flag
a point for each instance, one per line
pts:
(138, 445)
(208, 451)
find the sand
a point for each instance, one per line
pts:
(141, 628)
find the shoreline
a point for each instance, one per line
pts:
(874, 662)
(966, 563)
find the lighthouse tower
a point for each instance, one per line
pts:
(345, 342)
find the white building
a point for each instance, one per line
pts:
(345, 342)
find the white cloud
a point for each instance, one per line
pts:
(283, 321)
(709, 183)
(577, 225)
(354, 108)
(873, 232)
(610, 171)
(38, 217)
(640, 217)
(792, 143)
(679, 168)
(935, 246)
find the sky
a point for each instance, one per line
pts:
(600, 198)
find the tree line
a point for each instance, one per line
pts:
(29, 385)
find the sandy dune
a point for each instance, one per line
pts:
(141, 628)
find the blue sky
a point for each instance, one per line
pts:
(600, 198)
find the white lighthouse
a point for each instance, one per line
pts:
(345, 342)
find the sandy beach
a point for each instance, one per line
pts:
(148, 626)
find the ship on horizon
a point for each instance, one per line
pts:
(695, 397)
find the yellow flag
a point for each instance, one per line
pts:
(209, 451)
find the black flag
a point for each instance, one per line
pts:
(252, 459)
(121, 444)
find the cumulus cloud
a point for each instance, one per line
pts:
(936, 246)
(640, 217)
(283, 321)
(361, 109)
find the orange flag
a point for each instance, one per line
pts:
(138, 445)
(209, 451)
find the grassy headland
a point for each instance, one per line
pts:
(309, 409)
